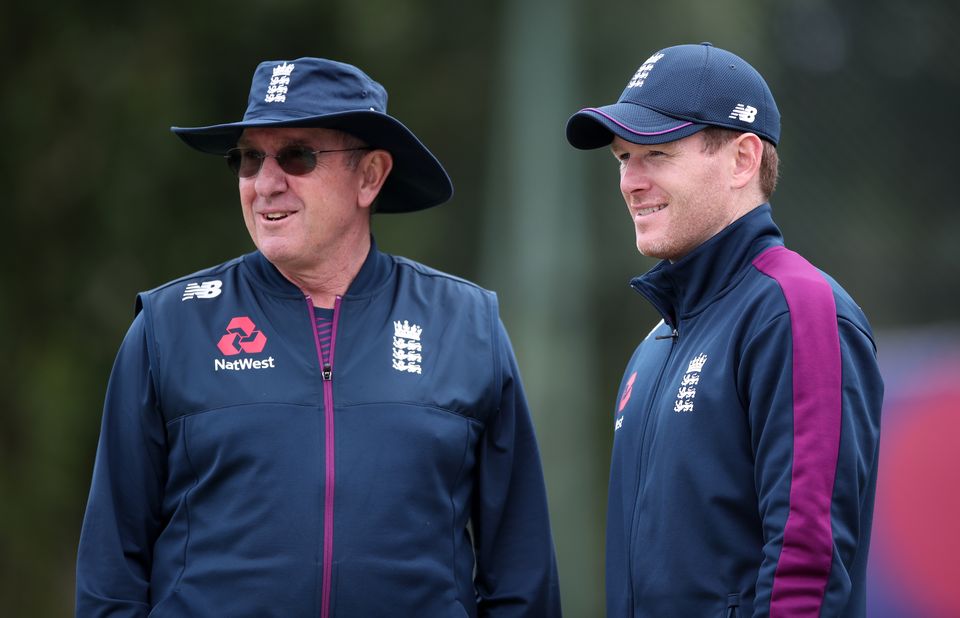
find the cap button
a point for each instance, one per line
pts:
(707, 43)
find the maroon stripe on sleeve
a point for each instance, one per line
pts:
(801, 576)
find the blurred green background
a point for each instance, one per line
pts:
(105, 202)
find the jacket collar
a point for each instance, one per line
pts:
(684, 288)
(373, 273)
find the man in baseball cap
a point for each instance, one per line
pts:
(317, 428)
(746, 427)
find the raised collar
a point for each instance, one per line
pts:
(681, 289)
(373, 273)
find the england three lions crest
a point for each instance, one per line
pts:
(688, 385)
(407, 349)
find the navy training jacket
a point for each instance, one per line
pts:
(746, 435)
(242, 472)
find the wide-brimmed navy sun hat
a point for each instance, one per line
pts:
(678, 91)
(315, 92)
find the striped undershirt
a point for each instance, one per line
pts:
(324, 318)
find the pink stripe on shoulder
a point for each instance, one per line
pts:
(800, 579)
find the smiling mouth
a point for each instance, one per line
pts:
(275, 216)
(643, 212)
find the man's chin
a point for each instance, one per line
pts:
(649, 249)
(656, 251)
(276, 253)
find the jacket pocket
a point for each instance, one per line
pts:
(382, 588)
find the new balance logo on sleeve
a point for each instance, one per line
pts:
(205, 289)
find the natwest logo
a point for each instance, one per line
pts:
(624, 398)
(242, 336)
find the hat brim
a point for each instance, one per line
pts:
(594, 127)
(417, 180)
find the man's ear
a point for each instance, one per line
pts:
(747, 151)
(374, 168)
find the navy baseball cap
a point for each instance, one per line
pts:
(678, 91)
(315, 92)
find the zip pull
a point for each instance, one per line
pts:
(674, 335)
(327, 372)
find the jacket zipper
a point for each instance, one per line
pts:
(634, 522)
(326, 372)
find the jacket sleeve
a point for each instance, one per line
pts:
(813, 394)
(123, 514)
(516, 573)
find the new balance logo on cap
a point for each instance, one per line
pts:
(744, 113)
(204, 289)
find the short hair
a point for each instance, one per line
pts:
(352, 159)
(348, 140)
(715, 138)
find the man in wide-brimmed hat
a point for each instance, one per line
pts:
(317, 428)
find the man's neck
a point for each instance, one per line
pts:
(332, 276)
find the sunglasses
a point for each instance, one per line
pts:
(293, 160)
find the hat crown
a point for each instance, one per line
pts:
(326, 94)
(708, 85)
(305, 87)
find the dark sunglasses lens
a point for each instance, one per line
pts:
(296, 160)
(233, 161)
(244, 163)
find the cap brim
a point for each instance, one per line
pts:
(417, 180)
(594, 127)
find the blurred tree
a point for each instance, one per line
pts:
(538, 253)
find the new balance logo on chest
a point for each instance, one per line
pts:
(204, 289)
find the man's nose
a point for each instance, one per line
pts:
(633, 177)
(271, 178)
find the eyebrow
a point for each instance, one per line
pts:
(245, 143)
